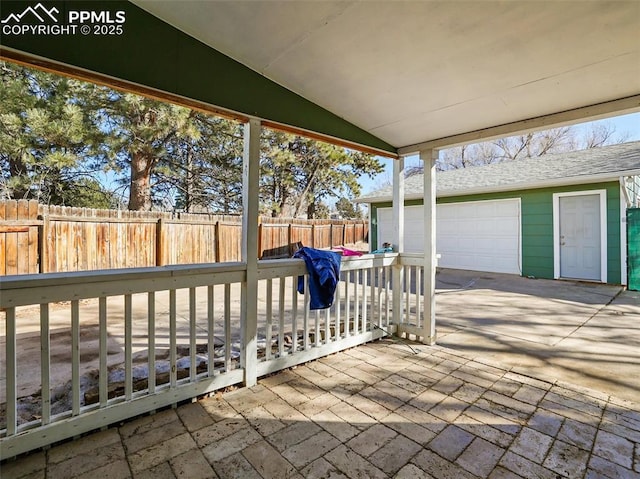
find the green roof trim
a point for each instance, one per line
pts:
(152, 53)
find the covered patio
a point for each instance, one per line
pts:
(375, 411)
(394, 79)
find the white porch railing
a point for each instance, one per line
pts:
(411, 318)
(119, 343)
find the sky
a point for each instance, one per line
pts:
(625, 124)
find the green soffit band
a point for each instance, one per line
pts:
(152, 53)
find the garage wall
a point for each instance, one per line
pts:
(537, 225)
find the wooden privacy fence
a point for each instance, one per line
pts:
(43, 239)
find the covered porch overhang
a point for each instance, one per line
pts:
(394, 79)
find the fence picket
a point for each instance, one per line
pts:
(11, 240)
(45, 239)
(3, 243)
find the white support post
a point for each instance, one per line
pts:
(249, 290)
(429, 158)
(398, 238)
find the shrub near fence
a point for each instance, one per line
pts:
(42, 239)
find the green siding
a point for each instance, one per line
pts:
(155, 54)
(537, 225)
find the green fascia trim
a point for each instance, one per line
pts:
(537, 225)
(152, 53)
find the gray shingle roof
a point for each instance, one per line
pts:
(585, 166)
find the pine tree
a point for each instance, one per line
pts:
(44, 135)
(304, 173)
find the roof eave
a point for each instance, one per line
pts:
(570, 181)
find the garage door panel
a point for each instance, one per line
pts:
(447, 228)
(507, 208)
(486, 228)
(479, 236)
(504, 245)
(485, 262)
(484, 210)
(468, 244)
(458, 261)
(489, 236)
(505, 226)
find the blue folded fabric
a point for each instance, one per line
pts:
(324, 273)
(387, 249)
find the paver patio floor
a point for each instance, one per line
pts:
(374, 411)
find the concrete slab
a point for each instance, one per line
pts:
(583, 333)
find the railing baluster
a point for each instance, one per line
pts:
(12, 372)
(356, 305)
(327, 327)
(104, 378)
(372, 308)
(407, 293)
(338, 299)
(193, 370)
(173, 369)
(307, 305)
(128, 348)
(269, 326)
(45, 363)
(387, 287)
(379, 285)
(347, 307)
(294, 316)
(151, 340)
(317, 329)
(227, 327)
(75, 357)
(418, 287)
(283, 282)
(363, 322)
(211, 331)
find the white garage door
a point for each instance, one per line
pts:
(478, 236)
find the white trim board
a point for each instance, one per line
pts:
(603, 230)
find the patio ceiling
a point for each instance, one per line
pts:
(410, 72)
(385, 75)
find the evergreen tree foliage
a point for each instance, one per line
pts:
(347, 209)
(205, 173)
(303, 174)
(58, 135)
(44, 135)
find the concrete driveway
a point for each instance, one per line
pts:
(587, 334)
